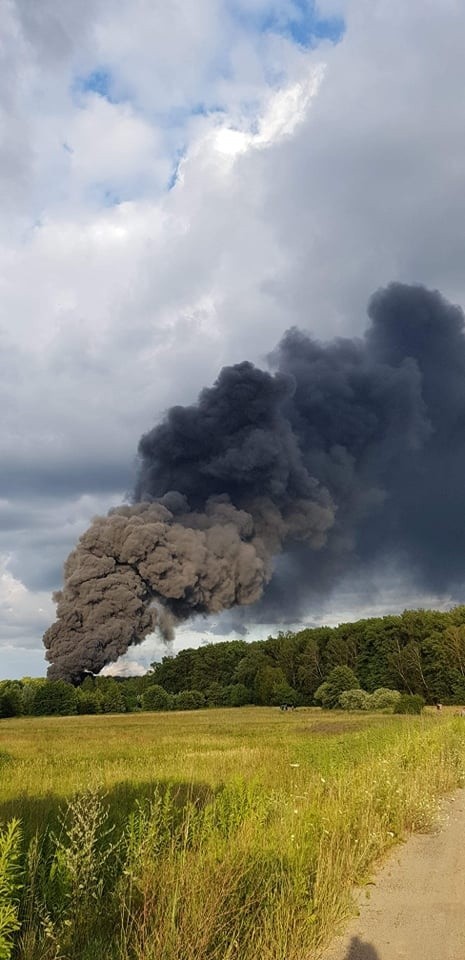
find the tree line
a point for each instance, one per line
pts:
(419, 653)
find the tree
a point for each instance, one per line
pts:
(189, 700)
(89, 701)
(237, 695)
(309, 670)
(54, 697)
(112, 697)
(249, 666)
(421, 651)
(156, 698)
(321, 694)
(11, 704)
(284, 693)
(215, 695)
(29, 685)
(340, 679)
(271, 686)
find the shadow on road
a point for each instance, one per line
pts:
(359, 950)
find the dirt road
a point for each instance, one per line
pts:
(416, 908)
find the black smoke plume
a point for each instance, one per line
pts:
(347, 453)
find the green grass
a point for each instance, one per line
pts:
(214, 835)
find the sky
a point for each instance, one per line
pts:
(180, 183)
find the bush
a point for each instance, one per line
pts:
(339, 680)
(215, 695)
(238, 695)
(384, 699)
(284, 693)
(88, 702)
(409, 703)
(354, 700)
(11, 703)
(54, 697)
(189, 700)
(156, 698)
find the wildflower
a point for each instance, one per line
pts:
(322, 779)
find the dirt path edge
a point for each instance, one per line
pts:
(415, 907)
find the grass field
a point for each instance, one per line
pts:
(214, 835)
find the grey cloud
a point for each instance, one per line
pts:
(351, 454)
(161, 293)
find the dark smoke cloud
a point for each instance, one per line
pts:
(274, 485)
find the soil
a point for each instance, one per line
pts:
(415, 909)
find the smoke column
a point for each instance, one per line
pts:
(347, 452)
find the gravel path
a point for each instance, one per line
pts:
(416, 908)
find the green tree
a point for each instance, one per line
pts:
(338, 680)
(112, 697)
(249, 666)
(271, 686)
(310, 666)
(89, 701)
(11, 704)
(215, 695)
(322, 693)
(29, 685)
(237, 695)
(189, 700)
(284, 693)
(55, 697)
(156, 698)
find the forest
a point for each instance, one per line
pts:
(420, 652)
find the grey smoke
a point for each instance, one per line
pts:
(273, 485)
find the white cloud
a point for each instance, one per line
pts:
(24, 614)
(307, 178)
(114, 150)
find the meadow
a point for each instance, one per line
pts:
(224, 834)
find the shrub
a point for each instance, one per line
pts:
(89, 702)
(215, 695)
(54, 697)
(339, 680)
(156, 698)
(354, 700)
(10, 699)
(112, 697)
(237, 695)
(409, 703)
(189, 700)
(384, 699)
(321, 693)
(284, 693)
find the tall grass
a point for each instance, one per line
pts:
(10, 886)
(244, 859)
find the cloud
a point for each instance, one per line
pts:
(306, 177)
(24, 614)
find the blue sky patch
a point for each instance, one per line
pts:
(302, 24)
(98, 81)
(173, 179)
